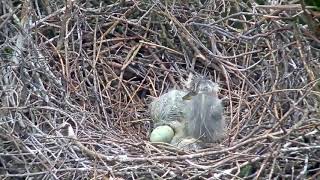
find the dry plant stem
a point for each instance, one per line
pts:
(9, 15)
(303, 58)
(164, 68)
(139, 87)
(285, 7)
(124, 158)
(283, 118)
(61, 63)
(166, 48)
(187, 36)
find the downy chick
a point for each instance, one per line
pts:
(194, 116)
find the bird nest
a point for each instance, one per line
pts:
(76, 77)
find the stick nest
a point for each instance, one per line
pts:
(77, 76)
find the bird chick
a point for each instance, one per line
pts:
(170, 110)
(206, 121)
(169, 107)
(193, 115)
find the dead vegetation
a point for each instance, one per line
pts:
(76, 76)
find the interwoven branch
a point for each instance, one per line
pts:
(76, 78)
